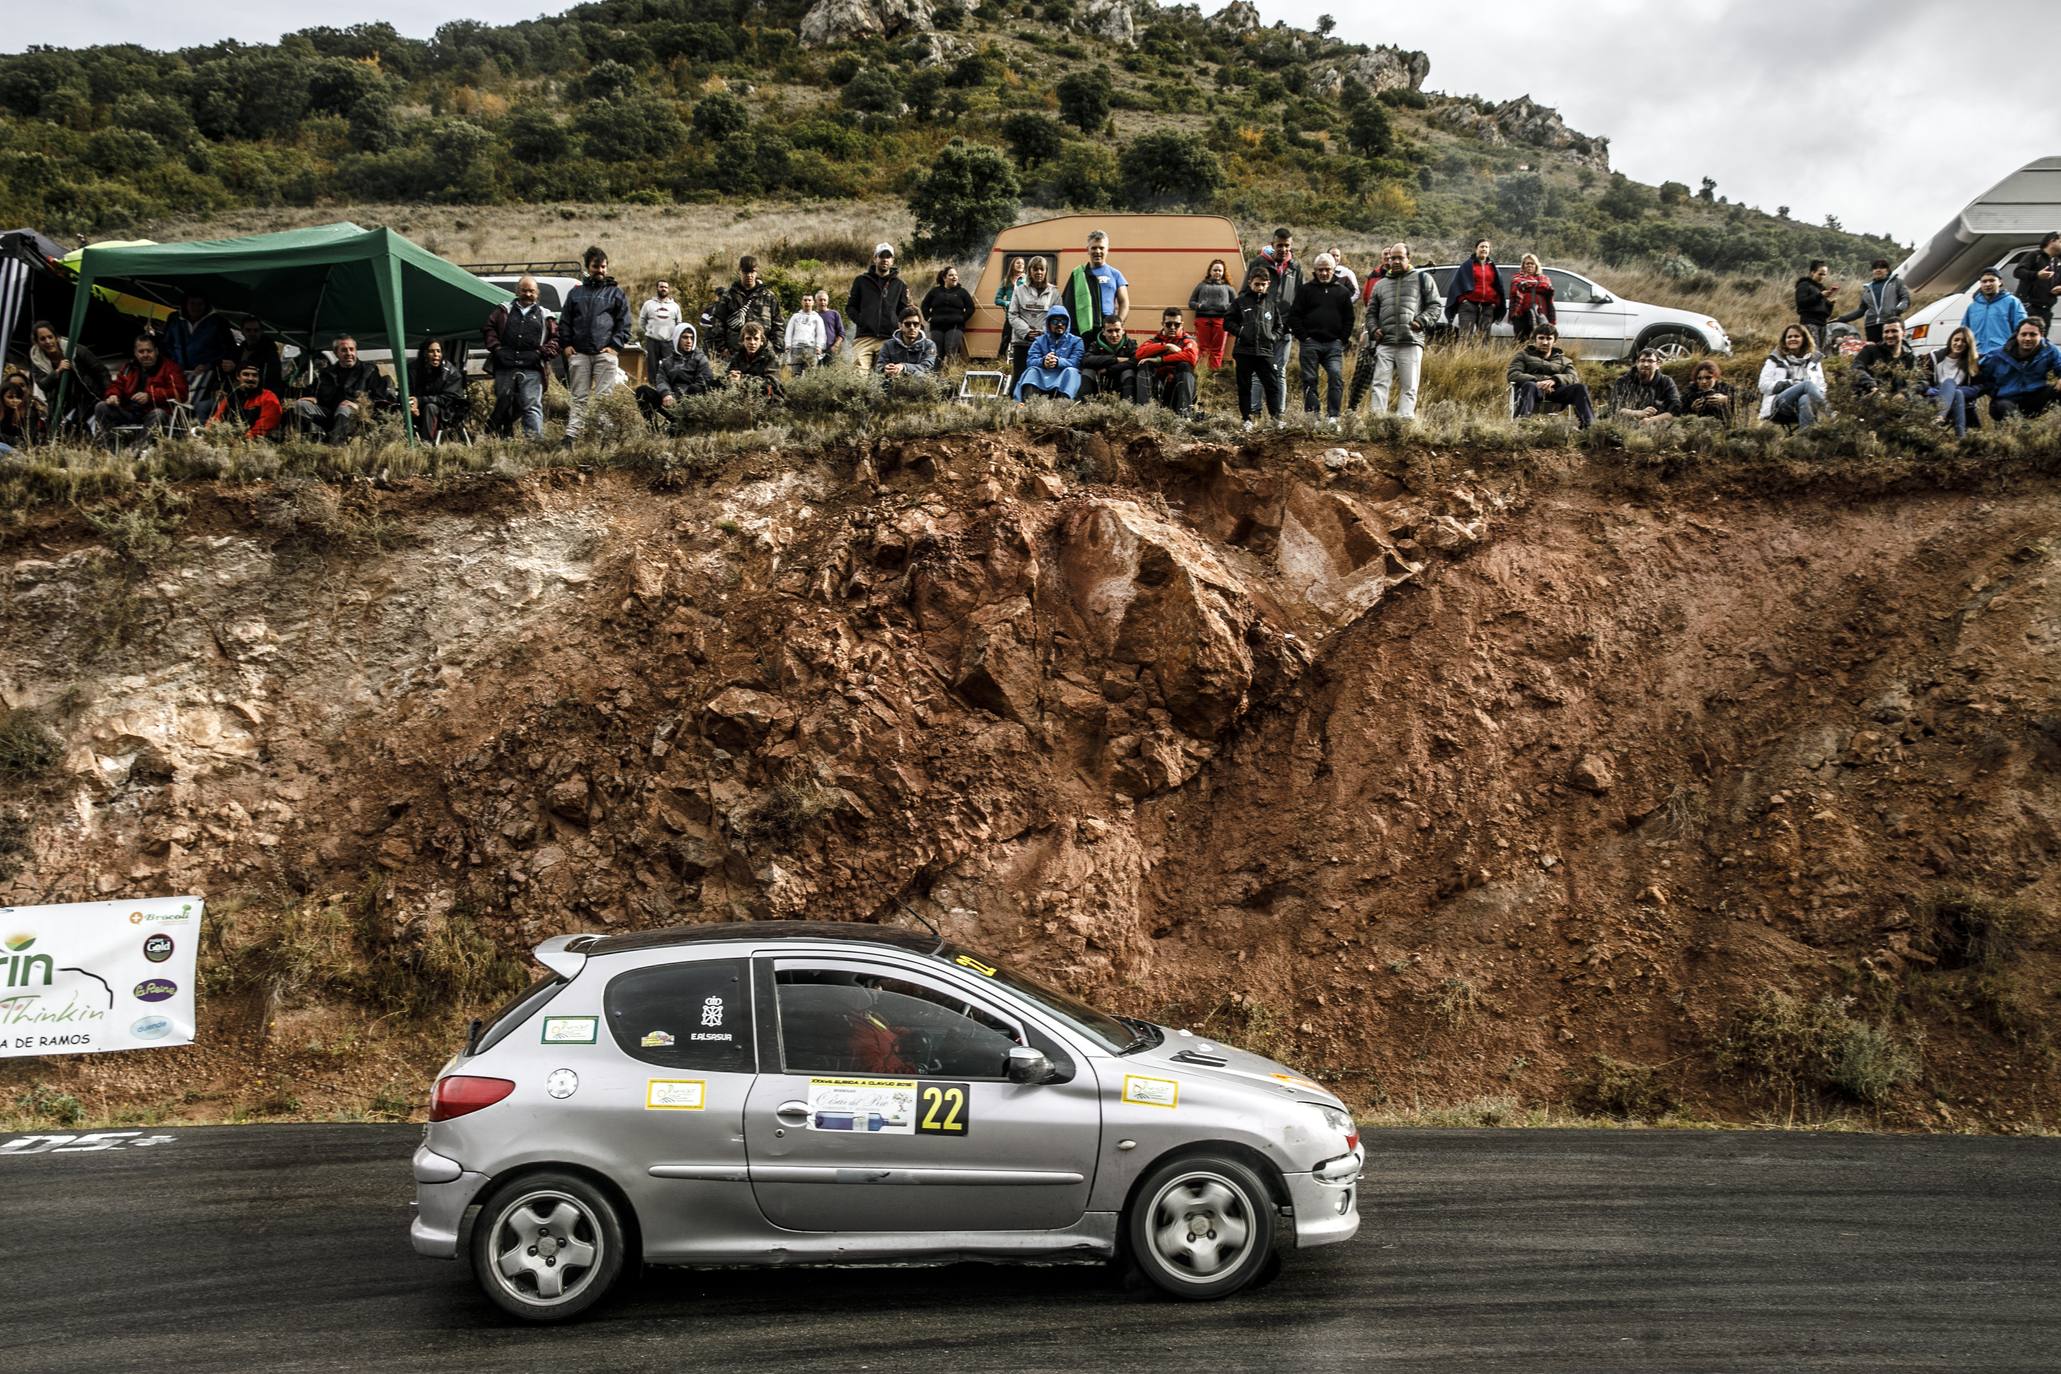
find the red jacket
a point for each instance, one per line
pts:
(166, 385)
(260, 417)
(1530, 289)
(1163, 352)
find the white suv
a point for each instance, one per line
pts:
(1596, 324)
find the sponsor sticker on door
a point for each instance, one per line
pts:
(1151, 1092)
(77, 978)
(879, 1106)
(675, 1095)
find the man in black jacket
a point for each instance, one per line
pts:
(1109, 363)
(1321, 320)
(2038, 273)
(748, 300)
(683, 372)
(593, 329)
(521, 342)
(874, 308)
(1814, 303)
(1284, 278)
(1887, 366)
(343, 390)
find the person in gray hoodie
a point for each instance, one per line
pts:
(1402, 308)
(1883, 298)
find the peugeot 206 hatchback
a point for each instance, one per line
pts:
(803, 1093)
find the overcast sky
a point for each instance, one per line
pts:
(1782, 103)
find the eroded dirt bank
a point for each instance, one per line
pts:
(1441, 783)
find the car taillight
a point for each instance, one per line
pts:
(461, 1093)
(1921, 331)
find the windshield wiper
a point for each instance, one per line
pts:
(1145, 1035)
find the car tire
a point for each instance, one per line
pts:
(1673, 345)
(548, 1246)
(1201, 1227)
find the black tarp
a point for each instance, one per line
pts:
(33, 288)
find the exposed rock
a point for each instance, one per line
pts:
(1525, 121)
(1383, 69)
(567, 798)
(831, 22)
(1593, 773)
(1240, 16)
(1113, 21)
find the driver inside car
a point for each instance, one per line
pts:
(875, 1046)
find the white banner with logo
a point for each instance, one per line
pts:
(92, 976)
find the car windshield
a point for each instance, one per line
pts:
(1105, 1030)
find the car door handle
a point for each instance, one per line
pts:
(792, 1111)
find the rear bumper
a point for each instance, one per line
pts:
(1326, 1201)
(442, 1193)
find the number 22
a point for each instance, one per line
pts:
(936, 1098)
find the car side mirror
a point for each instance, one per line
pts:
(1604, 298)
(1027, 1065)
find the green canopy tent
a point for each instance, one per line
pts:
(311, 286)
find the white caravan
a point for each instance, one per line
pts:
(1995, 229)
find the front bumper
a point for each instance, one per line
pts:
(1326, 1200)
(443, 1191)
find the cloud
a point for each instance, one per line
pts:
(158, 25)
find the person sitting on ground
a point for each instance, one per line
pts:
(1709, 395)
(198, 340)
(521, 343)
(49, 367)
(753, 367)
(1210, 302)
(1992, 316)
(1883, 298)
(748, 300)
(23, 416)
(342, 391)
(1887, 366)
(910, 353)
(1257, 323)
(436, 392)
(1402, 310)
(873, 309)
(1166, 365)
(2038, 276)
(1029, 304)
(1814, 303)
(658, 321)
(1321, 321)
(1476, 299)
(1531, 298)
(806, 339)
(143, 393)
(1644, 395)
(1545, 378)
(1054, 365)
(833, 327)
(1011, 279)
(249, 409)
(1953, 377)
(2024, 376)
(1109, 363)
(1792, 380)
(256, 346)
(682, 373)
(593, 329)
(948, 307)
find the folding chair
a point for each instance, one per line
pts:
(979, 385)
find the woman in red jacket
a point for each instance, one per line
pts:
(1531, 298)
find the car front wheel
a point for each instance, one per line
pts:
(1673, 345)
(1202, 1227)
(547, 1247)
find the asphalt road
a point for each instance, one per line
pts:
(285, 1248)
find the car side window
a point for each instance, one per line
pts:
(1570, 290)
(692, 1015)
(547, 296)
(845, 1022)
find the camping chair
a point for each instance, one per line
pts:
(982, 385)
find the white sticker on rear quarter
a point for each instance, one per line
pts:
(1151, 1092)
(570, 1030)
(675, 1094)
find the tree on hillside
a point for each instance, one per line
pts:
(873, 90)
(1084, 100)
(969, 195)
(1521, 200)
(1169, 169)
(1673, 193)
(1368, 131)
(1033, 138)
(1708, 191)
(719, 116)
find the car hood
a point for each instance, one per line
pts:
(1239, 1066)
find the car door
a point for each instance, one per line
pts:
(1593, 323)
(883, 1104)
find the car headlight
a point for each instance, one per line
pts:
(1714, 327)
(1341, 1122)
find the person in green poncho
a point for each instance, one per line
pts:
(1096, 291)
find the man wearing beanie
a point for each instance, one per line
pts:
(875, 306)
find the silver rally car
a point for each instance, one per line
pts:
(805, 1093)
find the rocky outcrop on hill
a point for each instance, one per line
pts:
(1117, 22)
(830, 22)
(1524, 121)
(1240, 16)
(1383, 69)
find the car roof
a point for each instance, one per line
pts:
(848, 932)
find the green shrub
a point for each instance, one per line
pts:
(834, 391)
(1792, 1046)
(27, 747)
(969, 195)
(1033, 138)
(1084, 100)
(1631, 1092)
(1170, 169)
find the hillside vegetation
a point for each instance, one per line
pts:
(659, 102)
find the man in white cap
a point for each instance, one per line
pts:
(874, 308)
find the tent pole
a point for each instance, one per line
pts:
(397, 338)
(82, 292)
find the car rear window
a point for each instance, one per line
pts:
(517, 1010)
(691, 1015)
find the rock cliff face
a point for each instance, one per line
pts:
(1525, 121)
(1437, 782)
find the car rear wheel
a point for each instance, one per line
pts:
(547, 1247)
(1201, 1227)
(1673, 345)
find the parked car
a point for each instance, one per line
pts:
(818, 1093)
(1596, 324)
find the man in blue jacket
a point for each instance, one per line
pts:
(198, 340)
(1054, 368)
(1992, 317)
(2024, 376)
(592, 328)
